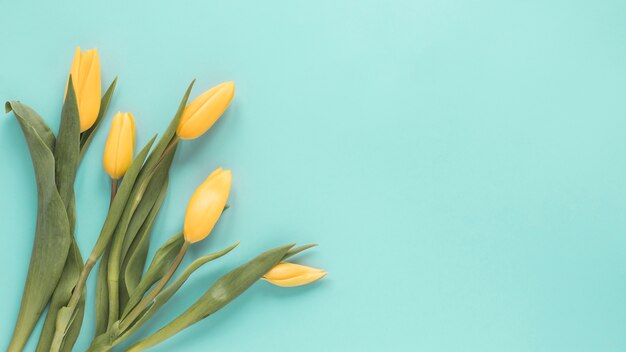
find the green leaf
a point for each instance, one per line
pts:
(66, 153)
(163, 259)
(140, 236)
(67, 148)
(297, 250)
(34, 120)
(146, 213)
(169, 134)
(87, 136)
(102, 295)
(156, 186)
(226, 289)
(52, 233)
(135, 261)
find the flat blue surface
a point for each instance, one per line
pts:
(462, 164)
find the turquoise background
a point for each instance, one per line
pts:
(462, 164)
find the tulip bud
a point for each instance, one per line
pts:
(118, 151)
(85, 74)
(202, 113)
(289, 275)
(206, 205)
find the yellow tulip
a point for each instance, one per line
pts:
(202, 113)
(289, 275)
(118, 151)
(85, 74)
(206, 205)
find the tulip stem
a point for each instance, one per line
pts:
(147, 299)
(114, 185)
(170, 145)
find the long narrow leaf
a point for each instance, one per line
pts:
(154, 199)
(169, 132)
(67, 148)
(226, 289)
(170, 290)
(135, 260)
(297, 250)
(116, 335)
(163, 259)
(156, 186)
(102, 295)
(66, 154)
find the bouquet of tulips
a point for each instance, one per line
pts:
(127, 294)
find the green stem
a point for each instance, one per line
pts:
(147, 299)
(114, 186)
(170, 145)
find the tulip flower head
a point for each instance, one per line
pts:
(118, 151)
(202, 113)
(290, 275)
(206, 205)
(85, 72)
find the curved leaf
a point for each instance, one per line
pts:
(157, 185)
(163, 259)
(52, 233)
(34, 120)
(67, 149)
(102, 295)
(135, 260)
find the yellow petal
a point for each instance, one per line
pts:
(206, 205)
(289, 275)
(74, 71)
(85, 73)
(118, 151)
(202, 113)
(90, 89)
